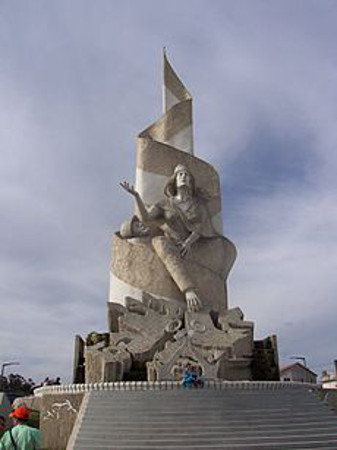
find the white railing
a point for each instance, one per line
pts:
(169, 385)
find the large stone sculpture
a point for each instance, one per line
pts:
(170, 262)
(183, 233)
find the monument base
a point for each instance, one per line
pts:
(71, 415)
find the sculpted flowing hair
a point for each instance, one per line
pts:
(170, 189)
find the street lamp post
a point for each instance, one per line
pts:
(6, 364)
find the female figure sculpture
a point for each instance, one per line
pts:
(181, 220)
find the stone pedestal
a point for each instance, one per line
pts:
(157, 339)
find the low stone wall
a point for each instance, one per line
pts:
(58, 415)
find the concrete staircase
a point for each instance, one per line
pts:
(204, 419)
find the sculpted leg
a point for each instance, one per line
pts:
(169, 254)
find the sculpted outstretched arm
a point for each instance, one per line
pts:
(143, 212)
(146, 215)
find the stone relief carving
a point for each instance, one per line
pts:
(141, 329)
(159, 337)
(204, 344)
(57, 409)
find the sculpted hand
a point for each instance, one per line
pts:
(185, 247)
(129, 188)
(192, 300)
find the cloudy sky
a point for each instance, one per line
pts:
(79, 79)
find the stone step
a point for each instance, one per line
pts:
(208, 393)
(290, 442)
(210, 436)
(214, 416)
(267, 446)
(208, 402)
(237, 392)
(216, 411)
(211, 401)
(171, 427)
(221, 427)
(195, 398)
(207, 420)
(173, 440)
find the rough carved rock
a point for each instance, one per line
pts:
(141, 329)
(212, 349)
(156, 334)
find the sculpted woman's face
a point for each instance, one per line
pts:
(183, 178)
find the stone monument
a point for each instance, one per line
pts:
(168, 303)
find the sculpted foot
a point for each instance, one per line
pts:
(192, 300)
